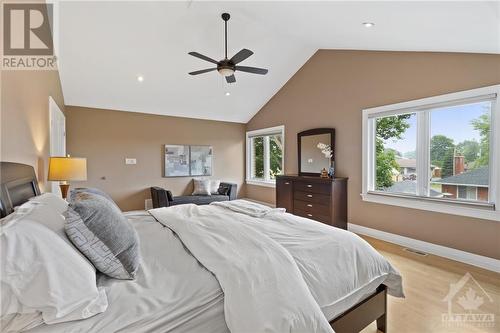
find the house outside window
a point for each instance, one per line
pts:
(467, 185)
(439, 153)
(264, 155)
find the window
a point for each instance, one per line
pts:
(459, 149)
(467, 192)
(265, 155)
(395, 147)
(435, 153)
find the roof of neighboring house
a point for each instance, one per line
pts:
(478, 177)
(406, 162)
(410, 187)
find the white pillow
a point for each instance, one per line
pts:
(214, 186)
(43, 272)
(48, 213)
(53, 201)
(201, 187)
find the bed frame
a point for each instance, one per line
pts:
(372, 308)
(18, 183)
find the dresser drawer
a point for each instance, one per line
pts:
(312, 197)
(313, 187)
(312, 207)
(284, 194)
(321, 218)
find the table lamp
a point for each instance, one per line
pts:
(66, 169)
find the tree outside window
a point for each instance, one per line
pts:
(265, 157)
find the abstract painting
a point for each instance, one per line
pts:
(176, 160)
(201, 160)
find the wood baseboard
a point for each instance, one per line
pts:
(260, 202)
(488, 263)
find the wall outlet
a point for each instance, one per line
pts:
(130, 161)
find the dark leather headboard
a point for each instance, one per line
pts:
(18, 183)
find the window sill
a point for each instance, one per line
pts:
(480, 211)
(264, 183)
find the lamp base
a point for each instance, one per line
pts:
(64, 190)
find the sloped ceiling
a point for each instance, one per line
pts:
(104, 46)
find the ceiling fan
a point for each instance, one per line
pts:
(226, 67)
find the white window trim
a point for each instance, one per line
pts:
(260, 132)
(476, 210)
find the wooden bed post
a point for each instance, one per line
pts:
(373, 308)
(382, 320)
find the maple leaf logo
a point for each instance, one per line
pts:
(470, 301)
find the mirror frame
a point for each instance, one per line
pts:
(314, 131)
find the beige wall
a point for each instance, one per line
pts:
(107, 137)
(24, 117)
(332, 88)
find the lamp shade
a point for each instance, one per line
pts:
(67, 168)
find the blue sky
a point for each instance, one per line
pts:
(453, 122)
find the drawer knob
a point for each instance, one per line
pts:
(287, 183)
(309, 195)
(310, 215)
(309, 185)
(309, 205)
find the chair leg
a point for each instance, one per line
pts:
(382, 323)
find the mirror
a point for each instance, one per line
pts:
(316, 149)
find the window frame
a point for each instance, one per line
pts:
(490, 211)
(267, 182)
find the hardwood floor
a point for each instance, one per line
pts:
(426, 281)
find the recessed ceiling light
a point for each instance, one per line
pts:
(140, 78)
(227, 93)
(368, 24)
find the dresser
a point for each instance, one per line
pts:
(320, 199)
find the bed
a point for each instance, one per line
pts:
(174, 292)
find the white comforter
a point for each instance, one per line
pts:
(275, 269)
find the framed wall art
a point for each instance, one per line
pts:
(200, 161)
(176, 160)
(185, 160)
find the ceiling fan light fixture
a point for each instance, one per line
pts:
(225, 71)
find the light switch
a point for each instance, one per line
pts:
(130, 161)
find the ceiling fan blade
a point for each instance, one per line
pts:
(201, 56)
(240, 56)
(253, 70)
(230, 79)
(202, 71)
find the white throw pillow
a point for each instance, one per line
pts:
(53, 201)
(49, 214)
(201, 187)
(214, 186)
(43, 272)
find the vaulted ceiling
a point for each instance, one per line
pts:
(104, 46)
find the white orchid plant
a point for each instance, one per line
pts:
(325, 150)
